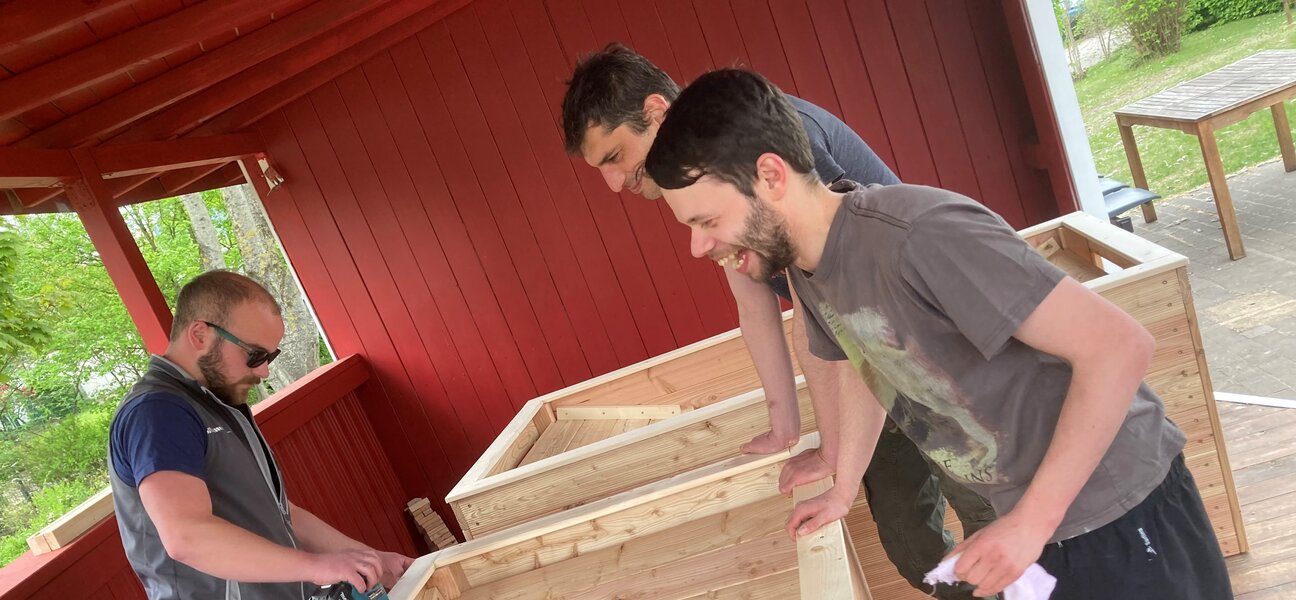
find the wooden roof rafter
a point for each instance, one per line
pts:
(131, 49)
(102, 120)
(182, 163)
(31, 21)
(222, 91)
(365, 36)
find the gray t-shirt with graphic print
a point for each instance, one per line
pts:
(922, 289)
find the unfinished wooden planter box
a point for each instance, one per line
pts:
(713, 532)
(1151, 283)
(585, 453)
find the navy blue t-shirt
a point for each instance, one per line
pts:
(155, 432)
(839, 153)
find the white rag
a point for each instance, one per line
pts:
(1034, 584)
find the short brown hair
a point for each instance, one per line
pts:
(608, 89)
(210, 296)
(720, 126)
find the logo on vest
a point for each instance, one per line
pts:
(211, 430)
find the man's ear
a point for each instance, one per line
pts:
(771, 177)
(654, 107)
(199, 335)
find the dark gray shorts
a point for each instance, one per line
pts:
(1163, 549)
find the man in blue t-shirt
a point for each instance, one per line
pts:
(199, 497)
(614, 103)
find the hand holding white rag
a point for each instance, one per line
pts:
(1034, 584)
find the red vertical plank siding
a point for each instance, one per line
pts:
(440, 220)
(1050, 146)
(850, 76)
(976, 112)
(693, 57)
(1004, 74)
(525, 84)
(655, 244)
(382, 183)
(438, 310)
(688, 42)
(556, 245)
(761, 40)
(595, 208)
(570, 26)
(413, 451)
(356, 196)
(329, 309)
(804, 55)
(934, 97)
(334, 205)
(330, 480)
(126, 586)
(555, 334)
(486, 232)
(914, 162)
(307, 264)
(722, 36)
(608, 24)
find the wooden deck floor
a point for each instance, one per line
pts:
(1262, 449)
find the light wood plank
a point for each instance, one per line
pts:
(592, 431)
(715, 488)
(827, 568)
(554, 441)
(73, 524)
(591, 412)
(590, 571)
(488, 463)
(779, 586)
(635, 458)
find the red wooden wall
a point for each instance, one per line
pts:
(440, 230)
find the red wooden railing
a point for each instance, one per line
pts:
(333, 466)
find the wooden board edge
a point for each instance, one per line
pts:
(1221, 448)
(617, 412)
(466, 491)
(618, 502)
(498, 449)
(73, 524)
(825, 562)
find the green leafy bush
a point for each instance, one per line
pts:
(45, 507)
(1201, 14)
(1155, 26)
(70, 449)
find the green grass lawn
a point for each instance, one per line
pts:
(1172, 160)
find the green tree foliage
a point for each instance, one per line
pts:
(21, 330)
(1201, 14)
(1155, 26)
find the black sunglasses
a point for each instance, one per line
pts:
(256, 356)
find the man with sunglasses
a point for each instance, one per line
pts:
(199, 497)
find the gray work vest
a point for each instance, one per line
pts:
(246, 490)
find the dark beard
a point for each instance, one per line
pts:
(217, 382)
(766, 234)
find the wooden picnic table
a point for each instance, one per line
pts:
(1210, 102)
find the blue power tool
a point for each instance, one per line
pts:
(346, 591)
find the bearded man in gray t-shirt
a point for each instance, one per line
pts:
(1017, 380)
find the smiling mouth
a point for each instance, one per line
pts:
(735, 261)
